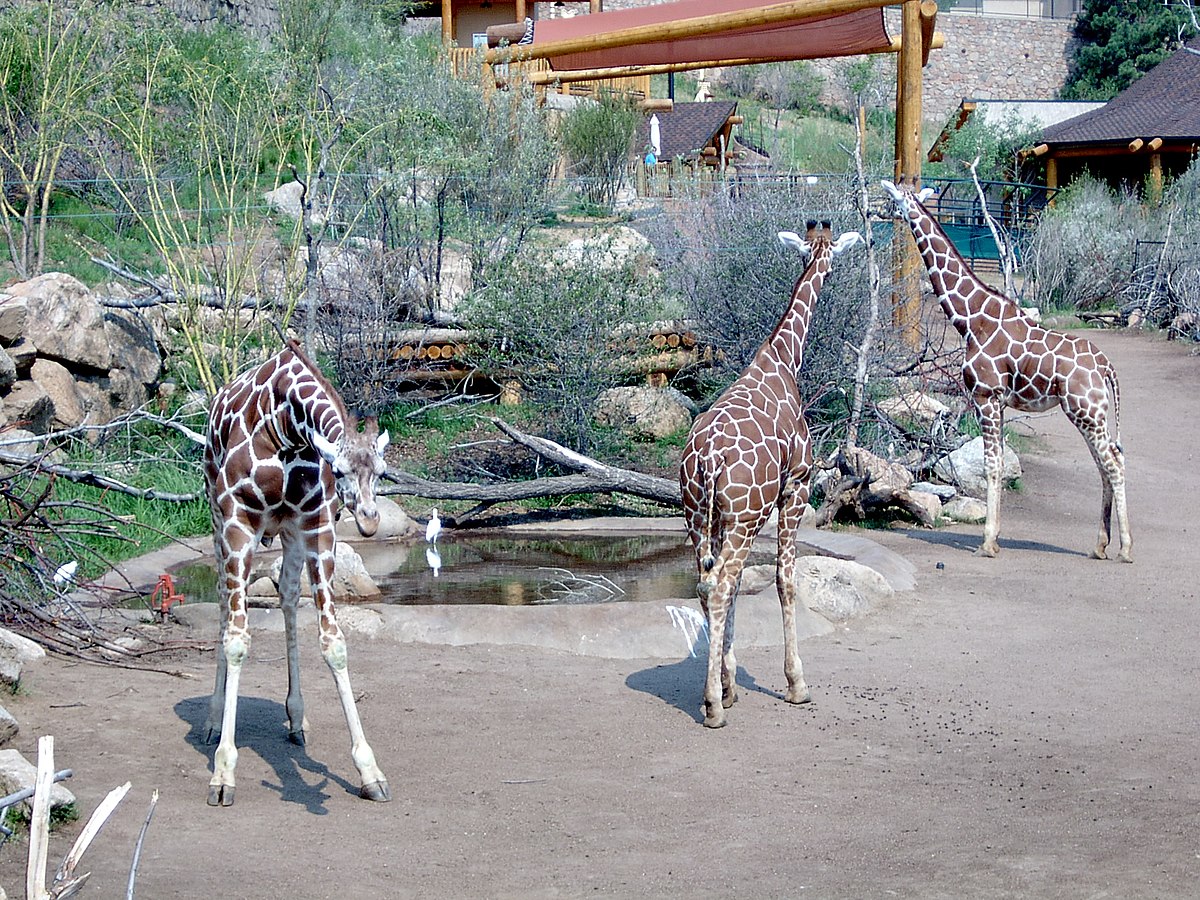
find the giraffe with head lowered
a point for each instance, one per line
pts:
(1013, 361)
(281, 452)
(748, 455)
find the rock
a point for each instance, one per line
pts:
(8, 726)
(964, 467)
(29, 404)
(394, 522)
(135, 349)
(285, 199)
(925, 506)
(839, 589)
(943, 492)
(917, 408)
(8, 370)
(66, 402)
(20, 442)
(965, 509)
(18, 774)
(17, 653)
(14, 317)
(644, 413)
(610, 249)
(65, 321)
(1033, 314)
(351, 581)
(22, 353)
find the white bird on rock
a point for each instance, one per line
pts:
(64, 573)
(434, 528)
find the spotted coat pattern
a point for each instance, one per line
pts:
(1012, 361)
(281, 451)
(748, 455)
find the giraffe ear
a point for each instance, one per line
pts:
(891, 189)
(925, 194)
(325, 448)
(793, 240)
(846, 241)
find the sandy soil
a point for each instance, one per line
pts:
(1024, 726)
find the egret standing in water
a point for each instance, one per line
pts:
(434, 528)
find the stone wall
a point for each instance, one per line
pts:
(260, 17)
(985, 57)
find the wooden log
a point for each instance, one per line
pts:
(1135, 145)
(509, 33)
(664, 104)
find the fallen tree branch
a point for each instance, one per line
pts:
(593, 477)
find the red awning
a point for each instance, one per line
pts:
(846, 34)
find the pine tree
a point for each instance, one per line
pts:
(1121, 40)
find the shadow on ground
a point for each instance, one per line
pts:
(262, 729)
(681, 684)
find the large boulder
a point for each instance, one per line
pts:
(965, 468)
(19, 774)
(67, 405)
(16, 654)
(839, 589)
(64, 321)
(644, 413)
(351, 581)
(8, 370)
(29, 405)
(135, 349)
(919, 409)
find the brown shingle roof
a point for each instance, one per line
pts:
(688, 128)
(1165, 103)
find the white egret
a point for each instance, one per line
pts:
(434, 528)
(66, 572)
(434, 559)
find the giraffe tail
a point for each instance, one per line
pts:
(713, 463)
(1114, 388)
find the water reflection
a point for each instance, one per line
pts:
(535, 570)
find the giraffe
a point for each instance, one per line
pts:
(747, 455)
(1012, 361)
(281, 451)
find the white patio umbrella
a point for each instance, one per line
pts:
(655, 136)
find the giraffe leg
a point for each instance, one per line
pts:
(289, 599)
(790, 510)
(221, 785)
(719, 684)
(1110, 461)
(991, 423)
(729, 693)
(333, 650)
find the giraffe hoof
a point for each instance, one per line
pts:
(729, 698)
(1125, 556)
(1099, 553)
(988, 552)
(800, 694)
(296, 737)
(220, 795)
(714, 716)
(377, 791)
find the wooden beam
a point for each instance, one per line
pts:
(928, 19)
(792, 11)
(1135, 145)
(447, 22)
(521, 13)
(936, 42)
(1155, 144)
(906, 308)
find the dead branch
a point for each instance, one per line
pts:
(593, 477)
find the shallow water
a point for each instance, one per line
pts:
(513, 571)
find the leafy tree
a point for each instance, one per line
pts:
(597, 139)
(1121, 40)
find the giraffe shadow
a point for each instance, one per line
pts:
(262, 729)
(681, 684)
(969, 543)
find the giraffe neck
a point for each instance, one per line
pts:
(961, 294)
(786, 343)
(304, 397)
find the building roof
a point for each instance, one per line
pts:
(1036, 113)
(688, 128)
(846, 34)
(1163, 103)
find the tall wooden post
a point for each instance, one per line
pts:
(521, 13)
(447, 23)
(906, 310)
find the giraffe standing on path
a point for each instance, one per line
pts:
(1012, 361)
(746, 456)
(281, 451)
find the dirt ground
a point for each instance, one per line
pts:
(1018, 727)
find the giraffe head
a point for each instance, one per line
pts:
(907, 204)
(816, 231)
(357, 462)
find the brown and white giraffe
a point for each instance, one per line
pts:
(281, 452)
(748, 455)
(1013, 361)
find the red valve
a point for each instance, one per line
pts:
(164, 596)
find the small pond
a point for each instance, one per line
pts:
(512, 571)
